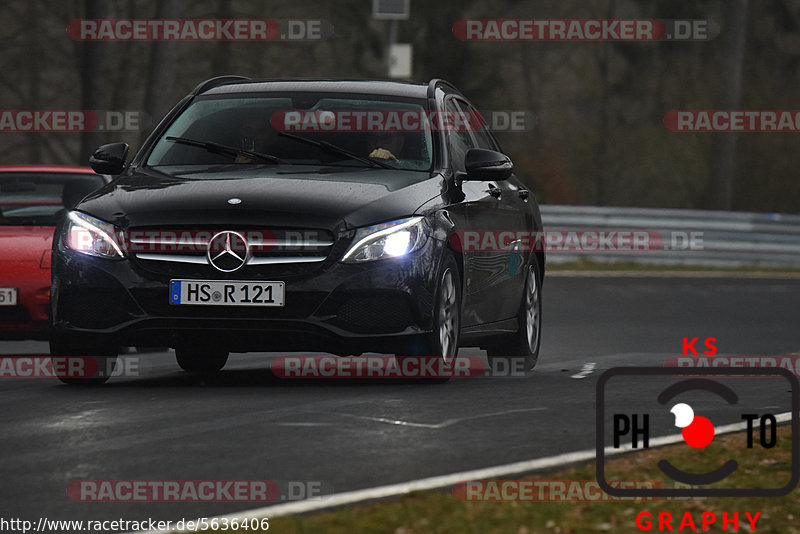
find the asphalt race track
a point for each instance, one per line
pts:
(346, 435)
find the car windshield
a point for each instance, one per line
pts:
(299, 129)
(32, 198)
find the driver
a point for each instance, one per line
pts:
(385, 145)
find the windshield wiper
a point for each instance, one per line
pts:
(219, 148)
(330, 147)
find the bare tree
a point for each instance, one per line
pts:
(93, 72)
(161, 70)
(603, 105)
(719, 192)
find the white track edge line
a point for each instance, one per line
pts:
(672, 274)
(431, 483)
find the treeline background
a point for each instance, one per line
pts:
(598, 137)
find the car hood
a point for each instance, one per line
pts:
(285, 195)
(24, 243)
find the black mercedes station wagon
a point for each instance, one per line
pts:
(325, 216)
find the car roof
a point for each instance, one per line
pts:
(389, 88)
(68, 169)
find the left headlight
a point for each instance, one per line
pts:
(93, 237)
(387, 240)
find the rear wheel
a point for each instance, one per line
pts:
(75, 364)
(442, 342)
(524, 344)
(201, 360)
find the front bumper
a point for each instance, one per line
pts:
(381, 306)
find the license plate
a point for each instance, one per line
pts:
(226, 293)
(8, 296)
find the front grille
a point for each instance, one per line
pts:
(181, 252)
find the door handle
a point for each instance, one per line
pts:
(524, 194)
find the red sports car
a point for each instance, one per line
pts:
(31, 199)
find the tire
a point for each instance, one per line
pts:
(525, 343)
(201, 360)
(442, 341)
(63, 351)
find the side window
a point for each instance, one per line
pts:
(459, 140)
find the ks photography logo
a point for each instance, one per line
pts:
(637, 403)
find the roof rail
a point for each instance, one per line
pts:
(202, 87)
(438, 81)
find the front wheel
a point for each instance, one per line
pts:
(442, 342)
(524, 344)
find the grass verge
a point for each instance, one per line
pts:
(441, 512)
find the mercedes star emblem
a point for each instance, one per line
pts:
(227, 251)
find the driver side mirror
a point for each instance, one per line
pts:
(109, 159)
(483, 164)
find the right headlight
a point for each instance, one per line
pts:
(387, 240)
(91, 236)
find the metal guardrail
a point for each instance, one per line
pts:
(728, 239)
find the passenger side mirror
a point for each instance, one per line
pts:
(109, 159)
(483, 164)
